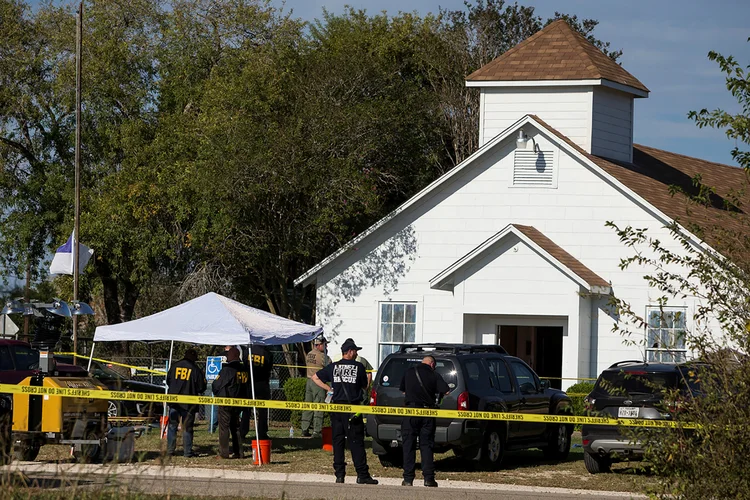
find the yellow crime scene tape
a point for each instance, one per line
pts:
(137, 368)
(339, 408)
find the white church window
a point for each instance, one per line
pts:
(534, 168)
(398, 325)
(665, 334)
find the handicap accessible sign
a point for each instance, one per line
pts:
(213, 367)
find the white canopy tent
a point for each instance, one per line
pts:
(210, 319)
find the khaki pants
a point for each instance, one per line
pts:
(313, 394)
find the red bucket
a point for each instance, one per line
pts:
(264, 455)
(327, 434)
(164, 421)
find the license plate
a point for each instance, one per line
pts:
(627, 412)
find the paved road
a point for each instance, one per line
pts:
(235, 483)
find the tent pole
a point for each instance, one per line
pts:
(255, 410)
(169, 363)
(166, 387)
(91, 356)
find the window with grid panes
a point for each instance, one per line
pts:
(665, 334)
(398, 325)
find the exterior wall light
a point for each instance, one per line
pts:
(522, 140)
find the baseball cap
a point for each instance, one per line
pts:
(320, 339)
(349, 345)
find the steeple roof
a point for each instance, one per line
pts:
(557, 52)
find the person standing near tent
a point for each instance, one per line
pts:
(345, 380)
(315, 361)
(232, 382)
(261, 363)
(185, 378)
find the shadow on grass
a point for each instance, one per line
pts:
(527, 459)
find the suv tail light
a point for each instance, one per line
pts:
(373, 398)
(674, 407)
(588, 403)
(463, 401)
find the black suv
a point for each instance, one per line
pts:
(481, 378)
(632, 389)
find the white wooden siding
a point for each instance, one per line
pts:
(612, 124)
(568, 109)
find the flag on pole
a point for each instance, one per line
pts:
(62, 262)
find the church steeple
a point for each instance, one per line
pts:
(560, 76)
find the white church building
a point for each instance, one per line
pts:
(510, 247)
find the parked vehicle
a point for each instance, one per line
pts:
(19, 360)
(481, 378)
(631, 389)
(117, 382)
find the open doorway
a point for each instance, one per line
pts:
(539, 346)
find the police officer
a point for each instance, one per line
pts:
(345, 380)
(422, 385)
(315, 360)
(232, 382)
(369, 369)
(186, 378)
(261, 363)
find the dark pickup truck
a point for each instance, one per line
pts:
(481, 378)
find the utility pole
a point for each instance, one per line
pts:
(77, 223)
(26, 298)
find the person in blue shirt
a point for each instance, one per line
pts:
(346, 380)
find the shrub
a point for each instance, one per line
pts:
(583, 388)
(294, 390)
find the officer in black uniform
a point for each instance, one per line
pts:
(347, 379)
(422, 386)
(232, 382)
(261, 363)
(186, 378)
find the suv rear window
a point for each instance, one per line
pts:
(393, 371)
(629, 383)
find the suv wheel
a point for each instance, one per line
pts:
(558, 443)
(392, 458)
(113, 409)
(493, 448)
(596, 464)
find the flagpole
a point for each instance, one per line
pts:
(77, 223)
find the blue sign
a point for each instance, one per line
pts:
(213, 367)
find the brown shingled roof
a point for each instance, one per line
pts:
(557, 52)
(654, 171)
(552, 248)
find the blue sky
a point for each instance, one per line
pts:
(665, 44)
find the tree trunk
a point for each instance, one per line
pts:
(109, 292)
(129, 299)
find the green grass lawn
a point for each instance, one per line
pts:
(305, 455)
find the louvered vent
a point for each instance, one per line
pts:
(533, 168)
